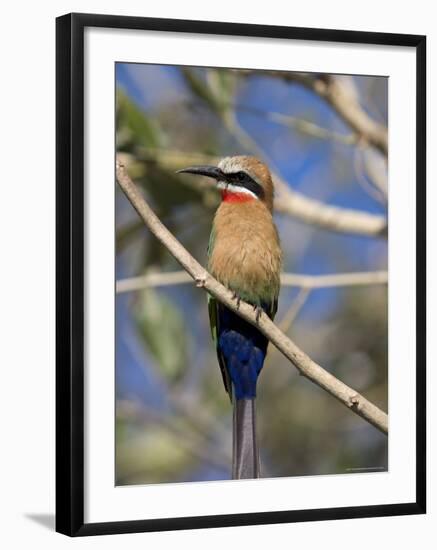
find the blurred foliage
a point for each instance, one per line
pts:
(134, 130)
(159, 323)
(173, 416)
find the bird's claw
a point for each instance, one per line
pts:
(236, 297)
(258, 310)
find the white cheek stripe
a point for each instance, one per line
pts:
(235, 189)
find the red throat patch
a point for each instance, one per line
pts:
(229, 196)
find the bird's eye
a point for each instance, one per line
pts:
(240, 176)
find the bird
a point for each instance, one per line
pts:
(244, 254)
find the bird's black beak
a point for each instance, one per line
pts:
(208, 171)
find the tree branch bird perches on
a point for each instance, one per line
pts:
(245, 256)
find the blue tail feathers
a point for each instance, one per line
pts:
(244, 349)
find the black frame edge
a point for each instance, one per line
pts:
(63, 344)
(246, 29)
(240, 520)
(421, 274)
(70, 274)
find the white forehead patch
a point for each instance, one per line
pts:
(230, 165)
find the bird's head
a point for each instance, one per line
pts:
(240, 179)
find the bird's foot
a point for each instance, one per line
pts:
(236, 297)
(258, 310)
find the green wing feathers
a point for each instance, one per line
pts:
(214, 323)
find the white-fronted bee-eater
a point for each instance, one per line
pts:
(244, 254)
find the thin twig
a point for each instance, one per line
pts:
(306, 366)
(376, 171)
(286, 322)
(287, 279)
(301, 125)
(294, 309)
(372, 191)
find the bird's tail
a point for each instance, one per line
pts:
(245, 457)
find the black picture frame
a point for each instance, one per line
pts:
(70, 273)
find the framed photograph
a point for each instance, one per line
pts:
(240, 274)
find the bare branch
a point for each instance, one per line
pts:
(334, 218)
(288, 201)
(287, 279)
(306, 366)
(333, 91)
(151, 280)
(359, 278)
